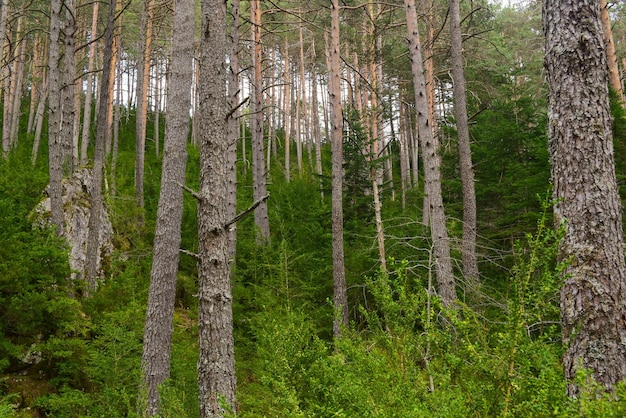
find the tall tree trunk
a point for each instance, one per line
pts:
(287, 111)
(340, 293)
(157, 105)
(41, 107)
(143, 82)
(611, 55)
(261, 218)
(432, 163)
(468, 247)
(157, 341)
(593, 297)
(18, 75)
(55, 153)
(37, 83)
(216, 364)
(68, 86)
(95, 217)
(233, 129)
(89, 87)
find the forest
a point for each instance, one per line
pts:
(330, 208)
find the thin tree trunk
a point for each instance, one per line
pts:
(233, 131)
(95, 217)
(157, 341)
(216, 364)
(55, 153)
(41, 107)
(340, 293)
(157, 105)
(37, 82)
(430, 157)
(611, 55)
(468, 246)
(287, 112)
(588, 206)
(17, 93)
(68, 88)
(261, 218)
(89, 87)
(143, 82)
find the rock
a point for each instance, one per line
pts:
(77, 210)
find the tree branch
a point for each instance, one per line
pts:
(245, 212)
(191, 191)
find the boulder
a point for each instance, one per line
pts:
(77, 210)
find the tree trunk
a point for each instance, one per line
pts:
(93, 239)
(157, 341)
(68, 88)
(41, 107)
(611, 55)
(84, 144)
(430, 156)
(588, 205)
(340, 294)
(216, 364)
(233, 131)
(468, 246)
(287, 111)
(55, 153)
(18, 75)
(143, 82)
(261, 218)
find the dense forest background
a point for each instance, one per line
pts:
(70, 351)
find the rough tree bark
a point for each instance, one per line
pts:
(468, 246)
(159, 327)
(93, 240)
(216, 363)
(611, 56)
(430, 156)
(340, 294)
(593, 297)
(55, 153)
(84, 144)
(143, 81)
(259, 187)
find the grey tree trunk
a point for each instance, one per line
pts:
(340, 293)
(430, 156)
(93, 239)
(89, 88)
(159, 327)
(259, 187)
(143, 80)
(468, 246)
(593, 297)
(55, 153)
(68, 96)
(233, 128)
(216, 363)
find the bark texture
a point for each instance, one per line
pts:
(340, 295)
(468, 247)
(259, 186)
(95, 217)
(55, 153)
(157, 341)
(588, 205)
(611, 55)
(216, 363)
(432, 163)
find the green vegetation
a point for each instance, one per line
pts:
(497, 354)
